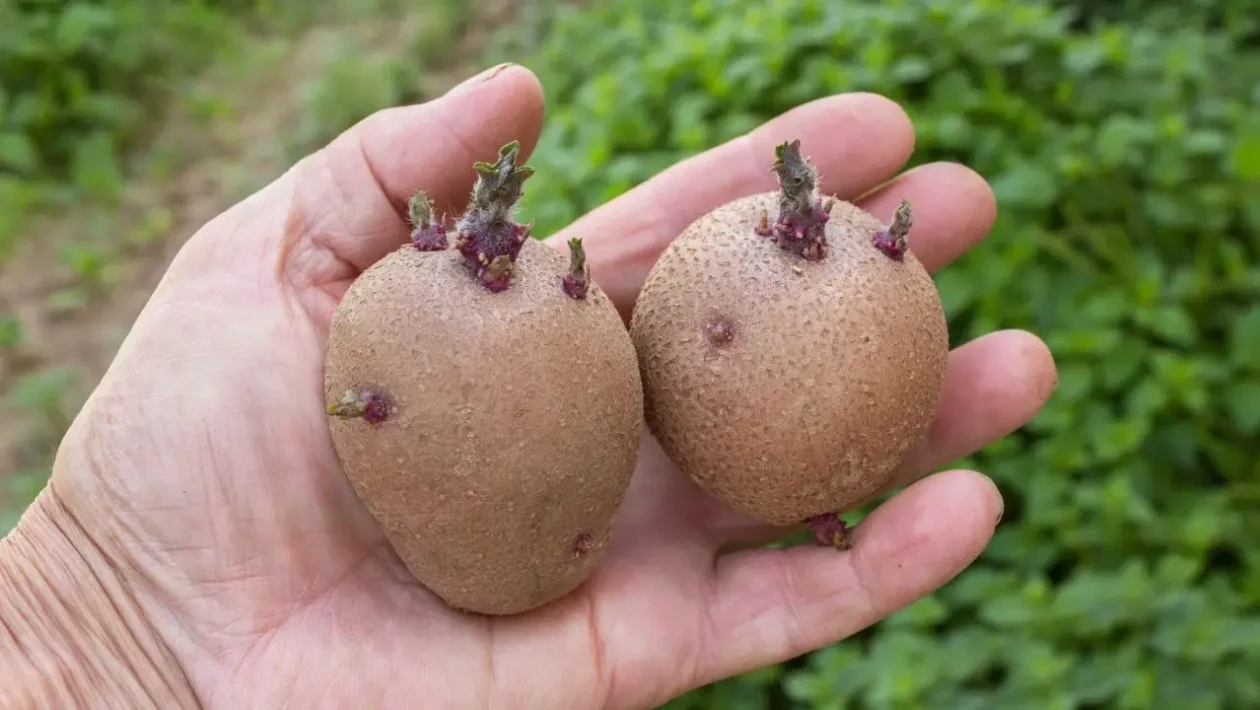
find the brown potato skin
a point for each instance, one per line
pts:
(831, 373)
(514, 427)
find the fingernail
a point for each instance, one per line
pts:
(484, 76)
(997, 493)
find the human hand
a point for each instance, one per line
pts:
(199, 500)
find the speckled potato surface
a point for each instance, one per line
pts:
(514, 424)
(784, 387)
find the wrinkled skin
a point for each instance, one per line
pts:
(202, 468)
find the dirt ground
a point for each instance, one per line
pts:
(81, 337)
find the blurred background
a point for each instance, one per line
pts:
(1122, 139)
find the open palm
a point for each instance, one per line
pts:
(202, 465)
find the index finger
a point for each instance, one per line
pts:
(856, 140)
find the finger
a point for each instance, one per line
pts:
(767, 606)
(993, 385)
(353, 194)
(954, 208)
(855, 140)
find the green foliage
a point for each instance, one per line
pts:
(76, 82)
(20, 489)
(45, 401)
(353, 83)
(357, 78)
(1126, 158)
(10, 333)
(82, 80)
(47, 395)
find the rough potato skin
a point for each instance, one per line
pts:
(784, 387)
(514, 426)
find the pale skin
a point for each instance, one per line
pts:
(199, 546)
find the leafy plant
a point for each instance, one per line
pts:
(357, 78)
(10, 333)
(81, 81)
(354, 83)
(1124, 146)
(89, 263)
(46, 394)
(20, 490)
